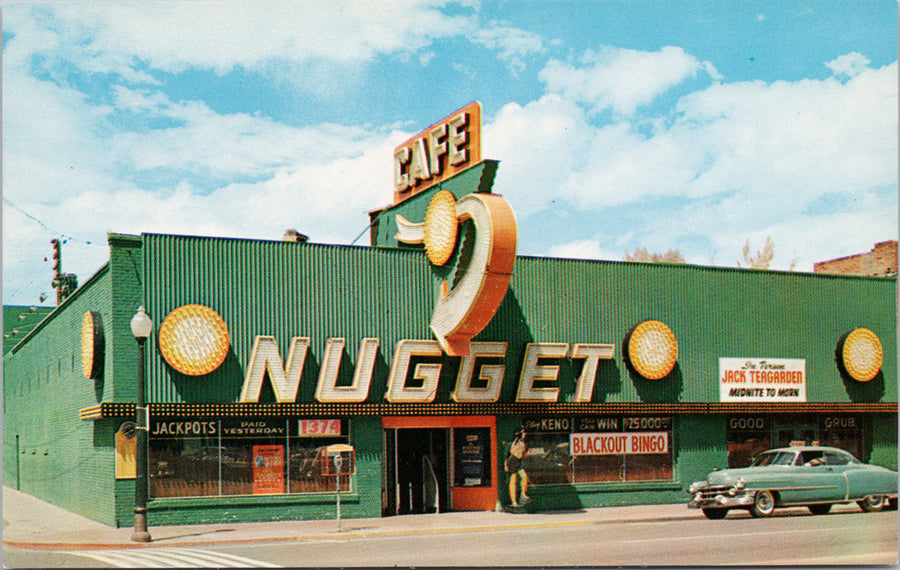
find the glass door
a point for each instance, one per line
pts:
(438, 463)
(796, 431)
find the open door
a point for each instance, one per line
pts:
(438, 464)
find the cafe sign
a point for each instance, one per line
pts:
(441, 151)
(762, 380)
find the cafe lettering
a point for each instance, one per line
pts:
(430, 356)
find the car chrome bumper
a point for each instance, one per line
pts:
(721, 501)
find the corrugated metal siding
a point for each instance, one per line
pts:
(288, 289)
(714, 313)
(283, 289)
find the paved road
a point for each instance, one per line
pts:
(790, 539)
(130, 558)
(853, 538)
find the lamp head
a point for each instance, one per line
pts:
(141, 324)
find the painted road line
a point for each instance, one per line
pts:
(170, 558)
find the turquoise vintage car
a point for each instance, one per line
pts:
(812, 476)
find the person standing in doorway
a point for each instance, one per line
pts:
(515, 453)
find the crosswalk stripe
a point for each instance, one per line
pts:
(224, 559)
(171, 558)
(117, 559)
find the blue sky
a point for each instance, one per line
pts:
(692, 125)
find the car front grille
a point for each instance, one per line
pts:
(711, 492)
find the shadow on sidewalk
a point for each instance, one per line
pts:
(180, 536)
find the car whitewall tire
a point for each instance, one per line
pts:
(872, 503)
(763, 504)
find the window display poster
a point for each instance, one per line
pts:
(268, 469)
(472, 457)
(126, 452)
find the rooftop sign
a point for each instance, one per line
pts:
(437, 153)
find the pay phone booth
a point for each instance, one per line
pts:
(338, 460)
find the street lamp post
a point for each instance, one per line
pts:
(141, 326)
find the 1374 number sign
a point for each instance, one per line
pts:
(318, 428)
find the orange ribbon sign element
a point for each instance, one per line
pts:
(468, 307)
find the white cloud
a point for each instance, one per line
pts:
(783, 143)
(172, 36)
(850, 65)
(621, 79)
(511, 44)
(585, 249)
(220, 146)
(742, 160)
(537, 146)
(787, 142)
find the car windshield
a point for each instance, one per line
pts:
(774, 458)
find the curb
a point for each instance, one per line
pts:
(348, 534)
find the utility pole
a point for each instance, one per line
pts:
(57, 269)
(64, 283)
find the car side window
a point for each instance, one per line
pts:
(836, 459)
(784, 458)
(810, 458)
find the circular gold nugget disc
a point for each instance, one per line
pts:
(653, 349)
(193, 339)
(862, 354)
(440, 227)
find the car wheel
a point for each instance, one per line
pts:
(763, 504)
(872, 503)
(892, 504)
(715, 514)
(819, 509)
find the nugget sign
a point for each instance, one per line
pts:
(439, 152)
(627, 443)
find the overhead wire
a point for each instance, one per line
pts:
(29, 280)
(43, 224)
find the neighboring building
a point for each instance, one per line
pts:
(631, 380)
(18, 321)
(880, 261)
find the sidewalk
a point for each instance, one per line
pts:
(32, 523)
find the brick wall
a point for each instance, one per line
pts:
(881, 260)
(49, 452)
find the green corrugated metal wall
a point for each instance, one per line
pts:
(288, 289)
(283, 289)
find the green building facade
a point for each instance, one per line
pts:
(631, 380)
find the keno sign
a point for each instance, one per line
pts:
(762, 380)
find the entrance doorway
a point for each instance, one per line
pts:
(438, 463)
(795, 430)
(417, 472)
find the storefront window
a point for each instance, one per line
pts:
(241, 456)
(598, 449)
(747, 437)
(843, 432)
